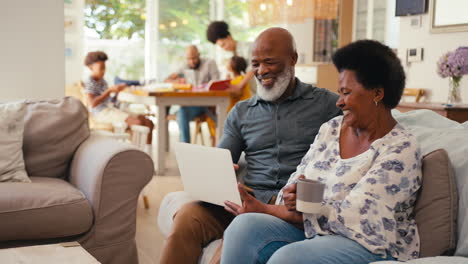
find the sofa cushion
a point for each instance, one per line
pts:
(45, 208)
(437, 206)
(53, 130)
(11, 141)
(433, 132)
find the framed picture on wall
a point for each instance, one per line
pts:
(449, 16)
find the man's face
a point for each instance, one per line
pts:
(193, 60)
(98, 69)
(274, 69)
(227, 43)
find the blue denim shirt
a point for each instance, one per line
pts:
(275, 136)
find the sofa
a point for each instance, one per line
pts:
(449, 218)
(83, 187)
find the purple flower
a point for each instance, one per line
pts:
(453, 64)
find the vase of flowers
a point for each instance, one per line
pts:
(454, 64)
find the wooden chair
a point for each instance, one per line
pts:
(198, 129)
(417, 93)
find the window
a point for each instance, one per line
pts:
(117, 28)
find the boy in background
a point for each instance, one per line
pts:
(103, 99)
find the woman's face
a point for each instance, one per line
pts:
(356, 102)
(227, 43)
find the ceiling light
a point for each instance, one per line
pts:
(262, 6)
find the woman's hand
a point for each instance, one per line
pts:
(249, 203)
(289, 195)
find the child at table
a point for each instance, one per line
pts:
(103, 99)
(237, 66)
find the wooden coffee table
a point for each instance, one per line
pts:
(71, 253)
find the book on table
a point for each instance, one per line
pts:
(218, 85)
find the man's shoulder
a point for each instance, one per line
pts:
(206, 61)
(311, 91)
(242, 106)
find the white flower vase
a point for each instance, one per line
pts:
(454, 90)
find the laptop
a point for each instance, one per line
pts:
(207, 173)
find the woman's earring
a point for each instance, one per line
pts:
(376, 103)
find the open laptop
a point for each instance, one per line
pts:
(207, 173)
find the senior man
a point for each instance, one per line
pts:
(274, 129)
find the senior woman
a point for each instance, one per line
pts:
(371, 168)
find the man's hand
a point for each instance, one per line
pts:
(289, 195)
(249, 203)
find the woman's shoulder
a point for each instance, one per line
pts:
(334, 123)
(399, 141)
(401, 133)
(330, 129)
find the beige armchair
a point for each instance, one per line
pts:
(84, 187)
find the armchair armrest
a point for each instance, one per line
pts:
(111, 175)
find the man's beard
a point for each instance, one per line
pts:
(278, 89)
(195, 67)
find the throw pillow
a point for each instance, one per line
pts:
(437, 206)
(11, 143)
(53, 131)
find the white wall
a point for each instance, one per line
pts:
(74, 39)
(304, 36)
(392, 26)
(31, 49)
(423, 74)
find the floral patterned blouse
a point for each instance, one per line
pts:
(368, 198)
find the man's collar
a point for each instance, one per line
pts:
(302, 90)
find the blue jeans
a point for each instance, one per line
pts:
(262, 238)
(184, 116)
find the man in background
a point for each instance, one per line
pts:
(196, 71)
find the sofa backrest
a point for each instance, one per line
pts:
(436, 207)
(53, 130)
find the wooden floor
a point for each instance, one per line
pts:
(149, 238)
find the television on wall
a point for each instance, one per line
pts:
(410, 7)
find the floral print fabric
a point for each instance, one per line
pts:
(370, 197)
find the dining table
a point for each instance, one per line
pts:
(164, 99)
